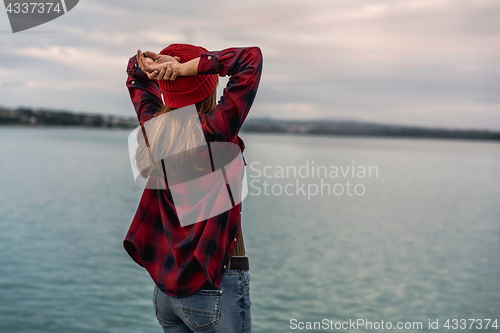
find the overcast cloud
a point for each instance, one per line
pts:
(425, 62)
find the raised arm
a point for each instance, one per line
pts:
(144, 93)
(244, 66)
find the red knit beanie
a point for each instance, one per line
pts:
(186, 90)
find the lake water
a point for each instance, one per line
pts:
(417, 240)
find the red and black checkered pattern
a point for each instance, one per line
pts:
(181, 259)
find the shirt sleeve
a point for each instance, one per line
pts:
(144, 93)
(244, 66)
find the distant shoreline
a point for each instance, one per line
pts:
(363, 129)
(27, 117)
(39, 117)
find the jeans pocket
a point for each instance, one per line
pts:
(202, 308)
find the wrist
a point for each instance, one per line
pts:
(182, 70)
(189, 68)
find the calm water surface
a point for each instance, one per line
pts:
(422, 242)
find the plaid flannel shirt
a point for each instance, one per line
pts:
(181, 259)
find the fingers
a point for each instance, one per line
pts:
(163, 73)
(167, 72)
(148, 66)
(152, 55)
(142, 63)
(153, 75)
(172, 71)
(175, 71)
(139, 58)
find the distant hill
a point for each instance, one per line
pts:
(358, 128)
(40, 117)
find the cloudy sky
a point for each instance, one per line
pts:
(423, 62)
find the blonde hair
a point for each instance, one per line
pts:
(180, 141)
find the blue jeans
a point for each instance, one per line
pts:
(226, 309)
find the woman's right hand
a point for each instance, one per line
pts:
(167, 71)
(158, 66)
(149, 61)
